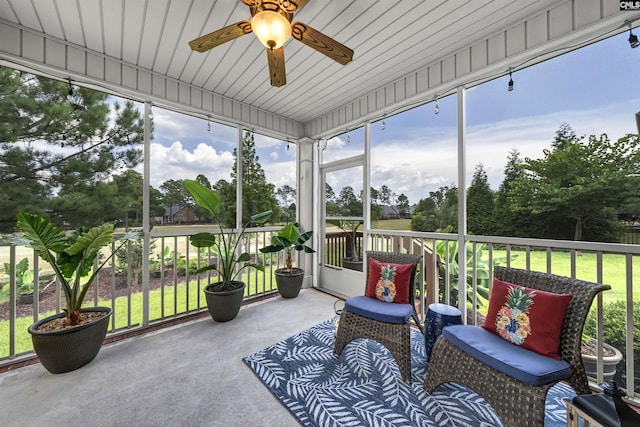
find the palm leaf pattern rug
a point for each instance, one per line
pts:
(363, 386)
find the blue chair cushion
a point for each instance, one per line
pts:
(381, 311)
(517, 362)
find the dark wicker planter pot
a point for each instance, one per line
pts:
(352, 265)
(69, 349)
(28, 298)
(224, 305)
(289, 284)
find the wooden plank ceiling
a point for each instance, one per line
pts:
(391, 38)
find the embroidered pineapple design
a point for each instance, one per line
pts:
(386, 287)
(512, 322)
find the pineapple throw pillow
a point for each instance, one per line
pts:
(389, 282)
(527, 317)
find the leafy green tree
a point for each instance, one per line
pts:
(480, 203)
(376, 209)
(174, 195)
(330, 197)
(387, 197)
(286, 196)
(438, 211)
(58, 141)
(578, 187)
(564, 135)
(227, 194)
(348, 203)
(129, 196)
(510, 219)
(258, 195)
(403, 206)
(203, 180)
(156, 207)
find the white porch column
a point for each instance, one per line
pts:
(146, 226)
(304, 203)
(462, 203)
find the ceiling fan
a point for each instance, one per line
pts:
(272, 25)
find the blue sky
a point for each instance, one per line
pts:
(594, 89)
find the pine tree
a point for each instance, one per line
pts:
(59, 146)
(257, 194)
(480, 203)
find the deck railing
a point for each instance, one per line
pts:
(615, 264)
(173, 290)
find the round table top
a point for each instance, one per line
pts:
(444, 309)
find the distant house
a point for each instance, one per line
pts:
(177, 214)
(394, 212)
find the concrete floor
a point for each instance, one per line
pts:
(187, 375)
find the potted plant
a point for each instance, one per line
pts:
(288, 239)
(589, 354)
(24, 281)
(67, 341)
(224, 296)
(353, 260)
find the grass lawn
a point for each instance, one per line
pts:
(613, 269)
(392, 224)
(128, 309)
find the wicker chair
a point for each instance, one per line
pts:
(518, 403)
(396, 337)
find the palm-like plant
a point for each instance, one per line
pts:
(71, 256)
(225, 246)
(289, 239)
(447, 252)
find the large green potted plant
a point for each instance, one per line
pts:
(69, 340)
(224, 296)
(288, 239)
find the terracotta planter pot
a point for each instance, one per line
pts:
(289, 284)
(69, 349)
(224, 305)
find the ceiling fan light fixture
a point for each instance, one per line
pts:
(271, 28)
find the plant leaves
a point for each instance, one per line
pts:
(204, 197)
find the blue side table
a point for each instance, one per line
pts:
(438, 316)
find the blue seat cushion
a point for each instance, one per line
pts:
(372, 308)
(517, 362)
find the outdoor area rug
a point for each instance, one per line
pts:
(363, 386)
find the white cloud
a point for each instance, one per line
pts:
(281, 173)
(274, 155)
(423, 159)
(176, 162)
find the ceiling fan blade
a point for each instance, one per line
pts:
(223, 35)
(323, 44)
(276, 67)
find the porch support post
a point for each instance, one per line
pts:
(239, 172)
(366, 194)
(304, 204)
(462, 203)
(239, 177)
(146, 182)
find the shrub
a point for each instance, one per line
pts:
(181, 267)
(614, 329)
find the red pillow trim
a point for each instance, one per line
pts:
(527, 317)
(389, 282)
